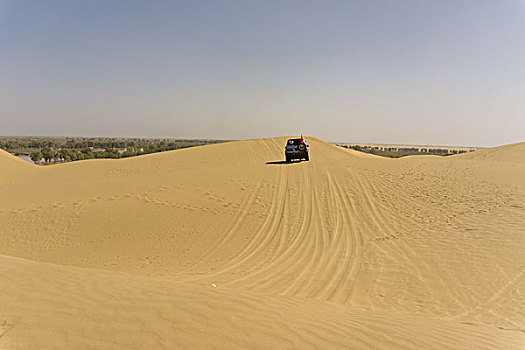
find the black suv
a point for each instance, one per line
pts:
(296, 149)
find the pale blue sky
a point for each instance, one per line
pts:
(420, 72)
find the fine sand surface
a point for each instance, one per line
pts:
(349, 250)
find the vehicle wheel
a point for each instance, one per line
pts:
(288, 160)
(307, 158)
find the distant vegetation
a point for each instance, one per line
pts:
(401, 151)
(50, 150)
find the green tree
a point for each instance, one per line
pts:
(36, 156)
(48, 154)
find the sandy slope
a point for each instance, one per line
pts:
(348, 250)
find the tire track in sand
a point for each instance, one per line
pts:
(263, 235)
(235, 224)
(302, 245)
(346, 258)
(240, 217)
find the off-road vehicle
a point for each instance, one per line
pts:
(296, 149)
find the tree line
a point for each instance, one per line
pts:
(396, 152)
(52, 150)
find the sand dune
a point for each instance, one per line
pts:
(346, 251)
(514, 153)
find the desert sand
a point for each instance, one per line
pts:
(223, 246)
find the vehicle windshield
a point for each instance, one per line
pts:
(294, 141)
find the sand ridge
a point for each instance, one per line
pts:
(354, 251)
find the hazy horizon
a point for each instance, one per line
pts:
(256, 138)
(420, 73)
